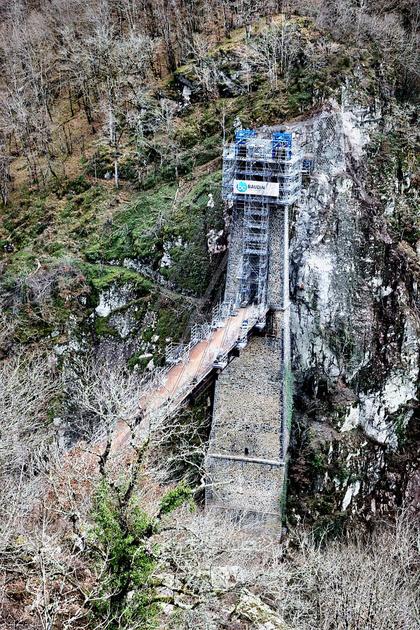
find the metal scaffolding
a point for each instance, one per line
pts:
(259, 174)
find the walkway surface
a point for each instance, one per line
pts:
(183, 377)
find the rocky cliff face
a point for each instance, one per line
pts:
(354, 325)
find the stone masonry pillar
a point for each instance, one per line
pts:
(244, 465)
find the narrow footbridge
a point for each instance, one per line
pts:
(189, 364)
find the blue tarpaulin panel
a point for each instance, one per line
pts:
(244, 134)
(282, 139)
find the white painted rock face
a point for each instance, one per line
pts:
(352, 491)
(112, 299)
(215, 244)
(166, 260)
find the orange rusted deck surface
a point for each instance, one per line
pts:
(183, 377)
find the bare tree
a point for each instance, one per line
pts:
(45, 551)
(100, 395)
(27, 390)
(362, 583)
(5, 175)
(178, 448)
(204, 65)
(274, 50)
(75, 536)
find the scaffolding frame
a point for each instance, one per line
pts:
(272, 160)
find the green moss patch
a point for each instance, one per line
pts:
(103, 276)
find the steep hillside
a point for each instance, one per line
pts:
(114, 242)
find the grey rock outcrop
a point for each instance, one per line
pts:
(354, 322)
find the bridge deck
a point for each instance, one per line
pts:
(183, 377)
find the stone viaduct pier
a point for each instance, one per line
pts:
(253, 395)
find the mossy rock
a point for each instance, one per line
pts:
(133, 232)
(103, 328)
(187, 229)
(103, 276)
